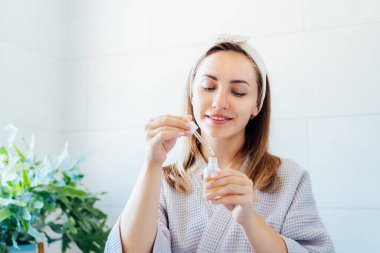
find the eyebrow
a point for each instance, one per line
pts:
(232, 81)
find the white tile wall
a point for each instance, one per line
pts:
(53, 27)
(343, 161)
(326, 14)
(127, 90)
(99, 27)
(353, 230)
(75, 103)
(289, 140)
(19, 22)
(31, 87)
(329, 72)
(114, 159)
(184, 23)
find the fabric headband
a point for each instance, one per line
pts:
(242, 41)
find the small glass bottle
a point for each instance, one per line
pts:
(212, 166)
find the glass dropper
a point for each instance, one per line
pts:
(194, 128)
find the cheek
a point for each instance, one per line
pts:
(200, 103)
(245, 110)
(198, 111)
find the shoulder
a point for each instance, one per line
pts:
(291, 168)
(292, 174)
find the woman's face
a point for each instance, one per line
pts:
(224, 94)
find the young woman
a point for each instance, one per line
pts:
(255, 202)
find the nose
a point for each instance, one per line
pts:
(220, 100)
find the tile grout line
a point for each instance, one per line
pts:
(303, 16)
(121, 128)
(32, 50)
(150, 25)
(329, 116)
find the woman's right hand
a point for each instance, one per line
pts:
(161, 135)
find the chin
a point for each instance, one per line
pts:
(217, 133)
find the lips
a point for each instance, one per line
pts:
(218, 118)
(215, 117)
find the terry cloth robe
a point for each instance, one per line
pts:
(189, 223)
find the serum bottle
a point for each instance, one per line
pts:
(212, 165)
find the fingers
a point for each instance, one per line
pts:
(228, 176)
(228, 183)
(227, 173)
(152, 133)
(225, 190)
(166, 127)
(166, 135)
(230, 189)
(180, 122)
(218, 181)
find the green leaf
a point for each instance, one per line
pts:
(26, 215)
(51, 240)
(34, 233)
(3, 151)
(66, 178)
(38, 204)
(25, 225)
(66, 191)
(5, 213)
(26, 178)
(57, 228)
(17, 189)
(65, 243)
(6, 202)
(20, 154)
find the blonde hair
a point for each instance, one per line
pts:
(262, 167)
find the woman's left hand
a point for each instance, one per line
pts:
(234, 190)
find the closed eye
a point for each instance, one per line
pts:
(238, 94)
(208, 88)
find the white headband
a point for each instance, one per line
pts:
(243, 42)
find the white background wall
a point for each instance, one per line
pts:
(92, 72)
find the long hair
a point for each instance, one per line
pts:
(262, 167)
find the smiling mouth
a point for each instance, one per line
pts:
(218, 118)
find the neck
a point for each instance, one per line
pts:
(225, 150)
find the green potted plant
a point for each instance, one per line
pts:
(45, 201)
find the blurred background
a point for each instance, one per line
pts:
(92, 73)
